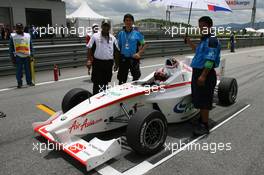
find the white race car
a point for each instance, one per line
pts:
(144, 107)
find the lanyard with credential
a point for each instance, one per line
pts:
(127, 39)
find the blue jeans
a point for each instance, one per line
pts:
(20, 62)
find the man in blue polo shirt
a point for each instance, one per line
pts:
(207, 57)
(131, 44)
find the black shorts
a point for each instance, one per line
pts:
(102, 71)
(202, 96)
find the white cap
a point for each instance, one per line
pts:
(95, 25)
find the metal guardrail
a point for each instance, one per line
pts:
(51, 41)
(74, 55)
(75, 40)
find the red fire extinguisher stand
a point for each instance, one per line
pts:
(56, 72)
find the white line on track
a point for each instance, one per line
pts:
(108, 170)
(146, 166)
(143, 67)
(49, 82)
(7, 89)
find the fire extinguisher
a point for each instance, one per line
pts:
(56, 72)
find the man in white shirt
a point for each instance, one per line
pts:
(100, 57)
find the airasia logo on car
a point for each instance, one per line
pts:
(85, 124)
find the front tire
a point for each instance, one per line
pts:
(227, 91)
(147, 131)
(73, 98)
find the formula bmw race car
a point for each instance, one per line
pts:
(144, 107)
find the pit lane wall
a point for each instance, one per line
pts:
(67, 55)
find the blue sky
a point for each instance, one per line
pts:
(115, 9)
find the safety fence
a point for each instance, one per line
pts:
(76, 40)
(74, 55)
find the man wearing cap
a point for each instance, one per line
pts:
(131, 44)
(21, 50)
(101, 49)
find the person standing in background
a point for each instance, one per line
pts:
(3, 33)
(232, 42)
(33, 32)
(62, 31)
(6, 33)
(21, 50)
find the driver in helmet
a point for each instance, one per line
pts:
(163, 74)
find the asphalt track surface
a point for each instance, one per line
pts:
(243, 132)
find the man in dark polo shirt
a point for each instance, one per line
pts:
(207, 57)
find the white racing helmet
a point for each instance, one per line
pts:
(172, 63)
(171, 66)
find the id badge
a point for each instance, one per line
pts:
(127, 46)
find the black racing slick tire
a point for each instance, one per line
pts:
(227, 91)
(73, 98)
(147, 131)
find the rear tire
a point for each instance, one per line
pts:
(227, 91)
(73, 98)
(147, 131)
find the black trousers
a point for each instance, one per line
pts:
(202, 96)
(125, 65)
(232, 46)
(101, 74)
